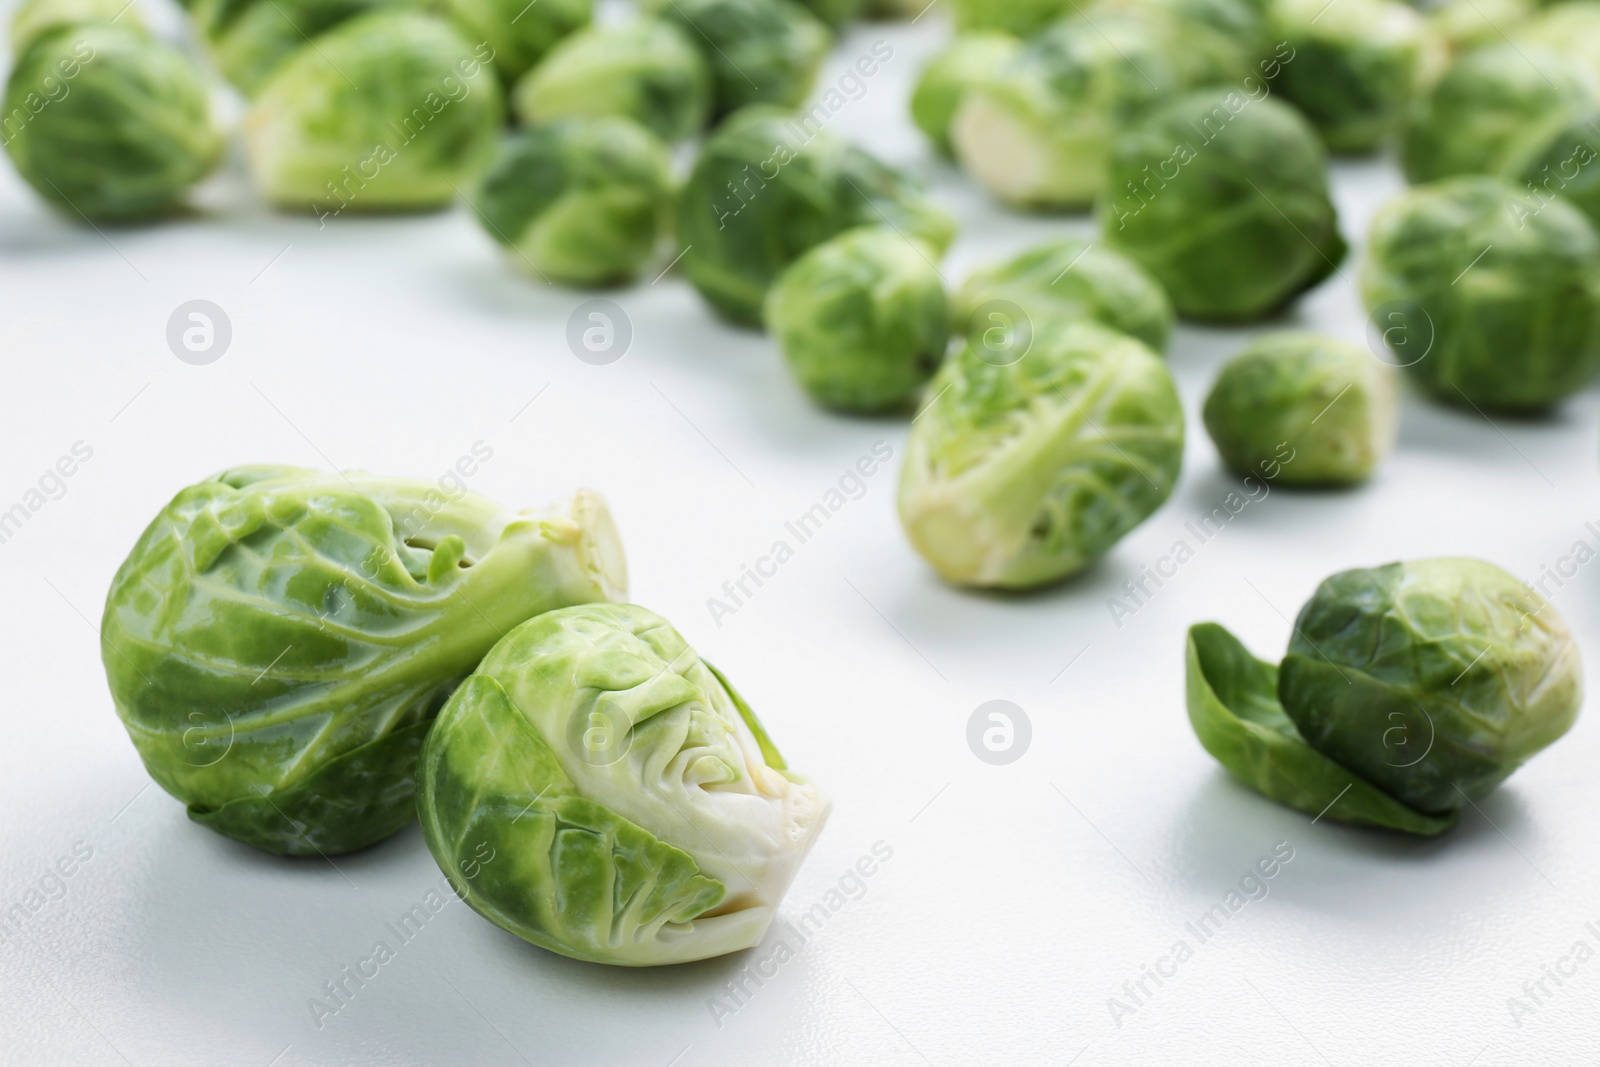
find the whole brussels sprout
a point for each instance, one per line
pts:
(1024, 468)
(248, 39)
(862, 319)
(1560, 162)
(766, 189)
(1506, 292)
(580, 201)
(1355, 64)
(599, 790)
(1224, 198)
(391, 111)
(519, 32)
(1219, 41)
(1021, 18)
(970, 59)
(1304, 409)
(106, 122)
(645, 70)
(279, 640)
(33, 18)
(1571, 28)
(760, 51)
(1072, 278)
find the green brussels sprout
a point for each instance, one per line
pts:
(1073, 278)
(1355, 64)
(1488, 107)
(1304, 409)
(391, 111)
(579, 201)
(834, 12)
(248, 39)
(760, 51)
(1462, 25)
(1223, 196)
(862, 319)
(1218, 40)
(279, 640)
(766, 188)
(599, 790)
(519, 32)
(1021, 18)
(1571, 28)
(1505, 292)
(646, 70)
(969, 60)
(1034, 457)
(1561, 163)
(33, 18)
(106, 122)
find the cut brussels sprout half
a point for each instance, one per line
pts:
(969, 60)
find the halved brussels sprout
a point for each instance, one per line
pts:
(248, 39)
(1500, 293)
(969, 60)
(1304, 410)
(646, 70)
(635, 811)
(391, 111)
(760, 51)
(1033, 458)
(1071, 278)
(862, 319)
(519, 32)
(1019, 17)
(279, 640)
(106, 122)
(1224, 198)
(34, 18)
(765, 189)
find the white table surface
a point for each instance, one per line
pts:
(1018, 900)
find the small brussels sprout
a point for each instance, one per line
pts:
(760, 51)
(519, 32)
(580, 201)
(279, 640)
(248, 39)
(1072, 278)
(1304, 410)
(1502, 293)
(1572, 29)
(1355, 64)
(1560, 161)
(34, 18)
(599, 790)
(971, 59)
(1019, 17)
(645, 70)
(1224, 198)
(106, 122)
(862, 319)
(391, 111)
(766, 188)
(1028, 465)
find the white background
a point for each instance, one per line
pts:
(1019, 899)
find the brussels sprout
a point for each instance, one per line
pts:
(279, 640)
(1218, 40)
(766, 188)
(1224, 198)
(969, 60)
(1489, 106)
(1354, 67)
(834, 12)
(1506, 292)
(519, 32)
(1073, 278)
(861, 318)
(391, 111)
(1462, 25)
(580, 201)
(1316, 410)
(34, 18)
(760, 51)
(1027, 466)
(599, 790)
(1561, 161)
(1572, 28)
(645, 70)
(248, 39)
(1019, 17)
(105, 122)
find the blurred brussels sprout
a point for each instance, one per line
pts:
(1489, 106)
(969, 60)
(645, 70)
(1223, 196)
(1501, 294)
(1560, 161)
(1304, 409)
(1218, 41)
(834, 12)
(279, 640)
(862, 319)
(248, 39)
(599, 790)
(579, 201)
(1462, 25)
(1072, 278)
(518, 32)
(1033, 458)
(766, 188)
(391, 111)
(106, 122)
(34, 18)
(1019, 17)
(760, 51)
(1571, 28)
(1355, 64)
